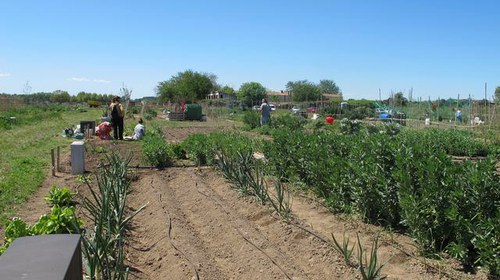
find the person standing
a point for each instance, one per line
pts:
(265, 112)
(117, 117)
(458, 116)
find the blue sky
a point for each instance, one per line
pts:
(437, 48)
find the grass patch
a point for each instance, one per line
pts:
(25, 154)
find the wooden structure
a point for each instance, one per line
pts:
(176, 116)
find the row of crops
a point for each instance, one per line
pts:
(408, 180)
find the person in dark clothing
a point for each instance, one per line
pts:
(117, 118)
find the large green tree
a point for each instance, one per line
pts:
(251, 93)
(228, 90)
(328, 86)
(60, 96)
(304, 91)
(188, 85)
(400, 99)
(497, 94)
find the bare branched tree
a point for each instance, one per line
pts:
(126, 93)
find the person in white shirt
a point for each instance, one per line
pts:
(139, 130)
(265, 110)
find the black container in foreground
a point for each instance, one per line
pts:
(43, 257)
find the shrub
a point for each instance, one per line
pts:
(94, 103)
(157, 151)
(198, 148)
(392, 128)
(179, 151)
(150, 114)
(358, 113)
(251, 119)
(135, 109)
(292, 122)
(348, 126)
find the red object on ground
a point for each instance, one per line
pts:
(329, 120)
(103, 130)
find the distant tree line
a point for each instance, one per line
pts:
(191, 86)
(61, 96)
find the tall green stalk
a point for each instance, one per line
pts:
(103, 245)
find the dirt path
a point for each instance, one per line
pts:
(196, 226)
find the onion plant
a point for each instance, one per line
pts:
(370, 270)
(103, 243)
(344, 248)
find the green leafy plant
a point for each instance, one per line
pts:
(60, 197)
(179, 151)
(289, 121)
(405, 180)
(348, 126)
(251, 119)
(157, 151)
(61, 220)
(14, 229)
(99, 150)
(198, 148)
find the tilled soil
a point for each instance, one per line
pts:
(195, 226)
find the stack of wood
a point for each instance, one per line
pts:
(176, 116)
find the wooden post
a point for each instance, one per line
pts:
(437, 109)
(58, 159)
(53, 162)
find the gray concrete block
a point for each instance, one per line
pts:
(43, 257)
(77, 157)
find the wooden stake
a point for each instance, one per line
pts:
(53, 162)
(58, 159)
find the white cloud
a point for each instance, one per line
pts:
(101, 81)
(83, 79)
(78, 79)
(2, 75)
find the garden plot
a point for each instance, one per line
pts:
(196, 227)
